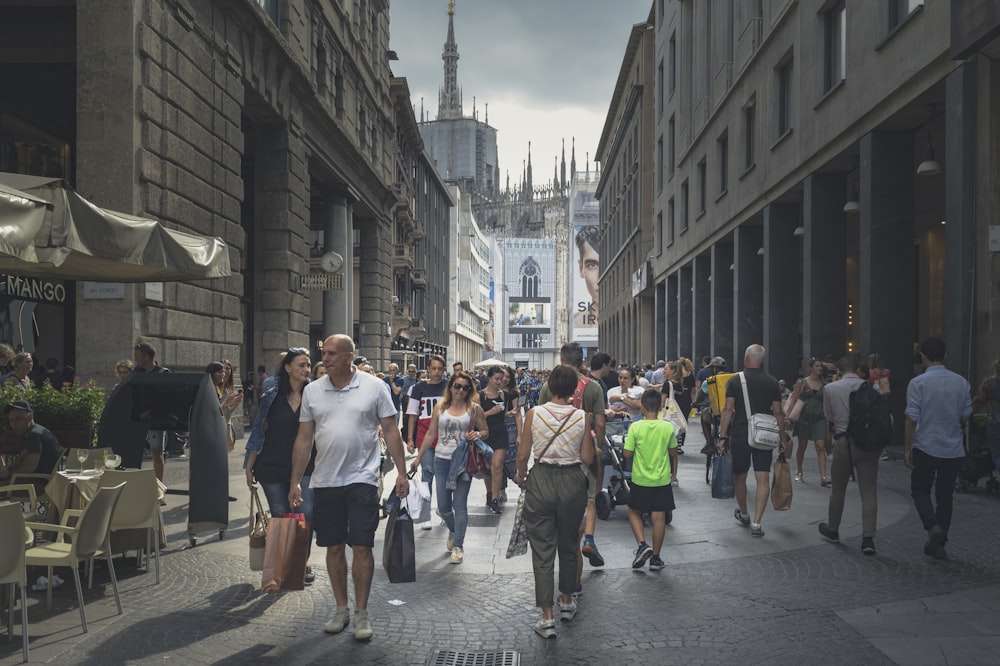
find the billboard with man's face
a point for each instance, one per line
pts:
(585, 267)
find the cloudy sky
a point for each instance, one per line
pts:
(547, 68)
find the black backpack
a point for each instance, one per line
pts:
(870, 423)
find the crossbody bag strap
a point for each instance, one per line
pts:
(746, 398)
(562, 426)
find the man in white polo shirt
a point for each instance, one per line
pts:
(341, 413)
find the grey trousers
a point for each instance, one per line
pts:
(553, 510)
(866, 466)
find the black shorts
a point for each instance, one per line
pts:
(744, 454)
(346, 514)
(499, 444)
(651, 499)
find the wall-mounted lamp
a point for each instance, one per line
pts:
(760, 252)
(929, 166)
(732, 267)
(853, 205)
(798, 231)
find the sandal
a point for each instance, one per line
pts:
(825, 482)
(798, 477)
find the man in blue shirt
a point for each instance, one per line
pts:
(937, 404)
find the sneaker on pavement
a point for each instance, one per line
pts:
(655, 563)
(310, 576)
(426, 526)
(741, 519)
(868, 546)
(546, 628)
(456, 555)
(567, 611)
(495, 507)
(592, 554)
(502, 497)
(935, 542)
(756, 530)
(832, 535)
(339, 622)
(362, 627)
(642, 553)
(450, 546)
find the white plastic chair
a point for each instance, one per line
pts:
(138, 507)
(91, 537)
(12, 568)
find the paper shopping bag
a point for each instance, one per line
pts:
(399, 557)
(781, 485)
(285, 554)
(258, 531)
(418, 502)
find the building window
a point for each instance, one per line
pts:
(672, 55)
(702, 185)
(684, 206)
(783, 73)
(660, 175)
(671, 226)
(900, 10)
(835, 45)
(671, 146)
(661, 93)
(723, 143)
(659, 233)
(749, 128)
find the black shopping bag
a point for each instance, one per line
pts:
(399, 557)
(723, 486)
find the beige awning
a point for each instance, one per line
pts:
(48, 230)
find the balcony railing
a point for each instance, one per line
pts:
(723, 82)
(749, 41)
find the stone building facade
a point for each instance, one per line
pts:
(830, 180)
(269, 124)
(626, 152)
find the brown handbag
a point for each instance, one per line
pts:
(258, 531)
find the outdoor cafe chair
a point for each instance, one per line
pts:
(89, 538)
(14, 494)
(138, 507)
(12, 567)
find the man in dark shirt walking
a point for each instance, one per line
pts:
(764, 396)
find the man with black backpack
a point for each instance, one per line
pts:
(847, 405)
(938, 402)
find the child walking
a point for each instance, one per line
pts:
(652, 445)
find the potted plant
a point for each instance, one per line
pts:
(71, 413)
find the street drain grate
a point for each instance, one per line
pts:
(484, 519)
(460, 658)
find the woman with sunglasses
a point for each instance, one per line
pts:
(457, 420)
(496, 403)
(272, 439)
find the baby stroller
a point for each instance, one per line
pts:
(978, 462)
(617, 471)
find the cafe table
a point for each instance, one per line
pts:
(73, 489)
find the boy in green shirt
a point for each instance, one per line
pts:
(652, 445)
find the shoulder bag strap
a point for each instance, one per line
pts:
(746, 396)
(562, 426)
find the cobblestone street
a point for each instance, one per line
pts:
(724, 598)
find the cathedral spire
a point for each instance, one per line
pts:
(528, 184)
(562, 169)
(450, 96)
(572, 164)
(555, 172)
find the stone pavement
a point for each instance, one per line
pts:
(724, 597)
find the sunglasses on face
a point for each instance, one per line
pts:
(465, 388)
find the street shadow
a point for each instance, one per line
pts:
(230, 608)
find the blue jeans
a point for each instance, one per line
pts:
(453, 505)
(276, 493)
(427, 469)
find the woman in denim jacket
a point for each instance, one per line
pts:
(272, 439)
(457, 422)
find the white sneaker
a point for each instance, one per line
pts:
(567, 611)
(339, 622)
(456, 555)
(426, 526)
(362, 627)
(451, 542)
(546, 628)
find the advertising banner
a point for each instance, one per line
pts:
(585, 267)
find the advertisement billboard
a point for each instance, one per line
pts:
(584, 264)
(529, 285)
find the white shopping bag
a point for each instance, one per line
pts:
(418, 502)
